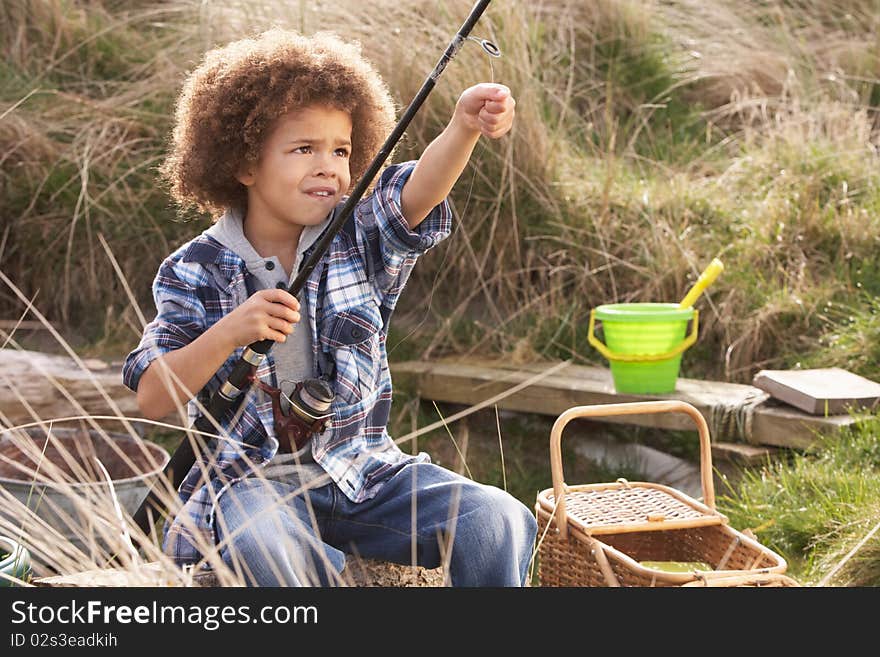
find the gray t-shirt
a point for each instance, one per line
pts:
(294, 359)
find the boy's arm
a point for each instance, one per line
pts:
(482, 109)
(176, 376)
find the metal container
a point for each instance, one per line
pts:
(55, 474)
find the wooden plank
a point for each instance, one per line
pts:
(475, 380)
(824, 391)
(785, 426)
(31, 385)
(741, 454)
(28, 382)
(575, 385)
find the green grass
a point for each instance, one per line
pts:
(851, 338)
(814, 508)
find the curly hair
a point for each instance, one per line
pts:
(229, 103)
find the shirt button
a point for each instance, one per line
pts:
(270, 265)
(357, 333)
(281, 285)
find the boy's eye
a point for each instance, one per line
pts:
(342, 152)
(303, 149)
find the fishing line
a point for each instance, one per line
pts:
(490, 49)
(493, 52)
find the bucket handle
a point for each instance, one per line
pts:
(628, 408)
(640, 358)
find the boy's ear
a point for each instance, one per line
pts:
(245, 174)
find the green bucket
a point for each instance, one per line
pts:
(645, 342)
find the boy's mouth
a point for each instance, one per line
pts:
(321, 192)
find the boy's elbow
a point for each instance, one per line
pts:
(414, 212)
(148, 406)
(153, 400)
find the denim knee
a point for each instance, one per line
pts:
(269, 545)
(257, 550)
(515, 521)
(493, 541)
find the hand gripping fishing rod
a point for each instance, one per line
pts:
(233, 391)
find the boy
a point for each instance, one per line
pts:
(270, 133)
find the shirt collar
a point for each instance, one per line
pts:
(229, 231)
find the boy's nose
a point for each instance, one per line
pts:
(324, 167)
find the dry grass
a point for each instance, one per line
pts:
(650, 138)
(67, 493)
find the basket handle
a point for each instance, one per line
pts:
(742, 579)
(629, 408)
(603, 349)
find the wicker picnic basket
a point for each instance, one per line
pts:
(602, 534)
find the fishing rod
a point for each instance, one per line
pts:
(231, 393)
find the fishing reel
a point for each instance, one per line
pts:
(308, 413)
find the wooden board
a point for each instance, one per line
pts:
(31, 379)
(38, 386)
(575, 385)
(781, 425)
(827, 391)
(741, 454)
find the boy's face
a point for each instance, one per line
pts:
(302, 171)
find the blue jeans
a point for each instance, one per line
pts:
(272, 534)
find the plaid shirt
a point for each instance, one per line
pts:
(349, 296)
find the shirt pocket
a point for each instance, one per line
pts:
(353, 338)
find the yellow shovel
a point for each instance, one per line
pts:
(705, 280)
